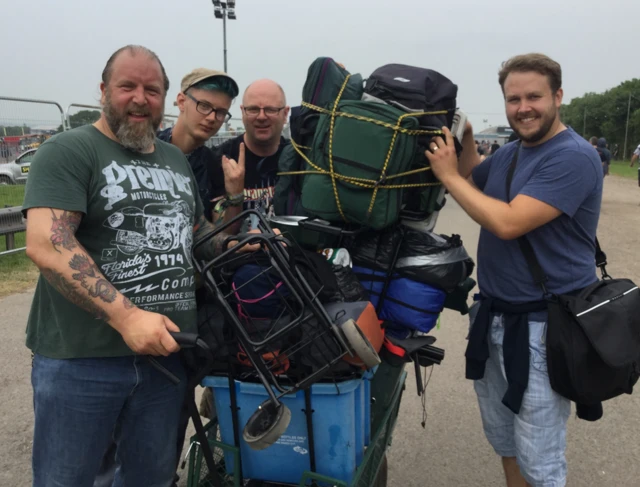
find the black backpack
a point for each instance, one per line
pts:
(415, 89)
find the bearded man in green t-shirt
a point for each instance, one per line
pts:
(112, 213)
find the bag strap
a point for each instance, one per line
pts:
(601, 261)
(525, 246)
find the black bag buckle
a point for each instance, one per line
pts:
(603, 270)
(601, 261)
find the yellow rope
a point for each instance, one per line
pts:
(383, 172)
(341, 176)
(383, 176)
(396, 127)
(331, 125)
(362, 182)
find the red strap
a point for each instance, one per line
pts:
(394, 349)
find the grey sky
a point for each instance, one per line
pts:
(57, 50)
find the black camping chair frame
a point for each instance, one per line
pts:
(299, 307)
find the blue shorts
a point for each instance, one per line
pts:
(537, 435)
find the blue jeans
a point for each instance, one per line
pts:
(81, 405)
(537, 435)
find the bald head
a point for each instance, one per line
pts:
(266, 89)
(264, 113)
(133, 50)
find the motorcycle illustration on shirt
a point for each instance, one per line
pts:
(158, 227)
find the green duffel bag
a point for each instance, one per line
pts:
(355, 168)
(421, 201)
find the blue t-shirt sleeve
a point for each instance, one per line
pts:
(480, 173)
(563, 181)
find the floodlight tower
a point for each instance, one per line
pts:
(224, 10)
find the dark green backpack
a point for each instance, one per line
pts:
(354, 164)
(363, 138)
(324, 80)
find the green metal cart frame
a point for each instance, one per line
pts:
(387, 387)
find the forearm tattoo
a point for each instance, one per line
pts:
(127, 303)
(213, 247)
(91, 279)
(72, 294)
(63, 230)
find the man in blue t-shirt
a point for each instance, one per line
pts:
(554, 200)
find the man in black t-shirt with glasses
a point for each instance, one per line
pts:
(264, 114)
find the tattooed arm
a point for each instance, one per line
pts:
(52, 245)
(214, 246)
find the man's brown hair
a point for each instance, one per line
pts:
(538, 63)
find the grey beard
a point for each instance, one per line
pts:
(134, 141)
(132, 137)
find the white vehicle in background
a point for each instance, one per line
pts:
(16, 171)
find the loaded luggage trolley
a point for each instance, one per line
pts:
(303, 398)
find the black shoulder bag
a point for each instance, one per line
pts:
(593, 334)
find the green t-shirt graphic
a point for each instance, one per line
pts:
(139, 212)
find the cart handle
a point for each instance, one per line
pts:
(185, 340)
(319, 226)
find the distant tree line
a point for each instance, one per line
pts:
(14, 130)
(605, 115)
(83, 117)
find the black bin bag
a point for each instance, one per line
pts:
(434, 259)
(426, 257)
(375, 250)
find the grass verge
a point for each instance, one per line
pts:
(17, 272)
(11, 195)
(621, 168)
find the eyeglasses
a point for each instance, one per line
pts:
(206, 109)
(268, 111)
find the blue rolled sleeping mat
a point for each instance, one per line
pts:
(429, 268)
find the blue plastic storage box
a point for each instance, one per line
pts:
(339, 426)
(366, 386)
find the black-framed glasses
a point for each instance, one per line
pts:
(253, 111)
(206, 109)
